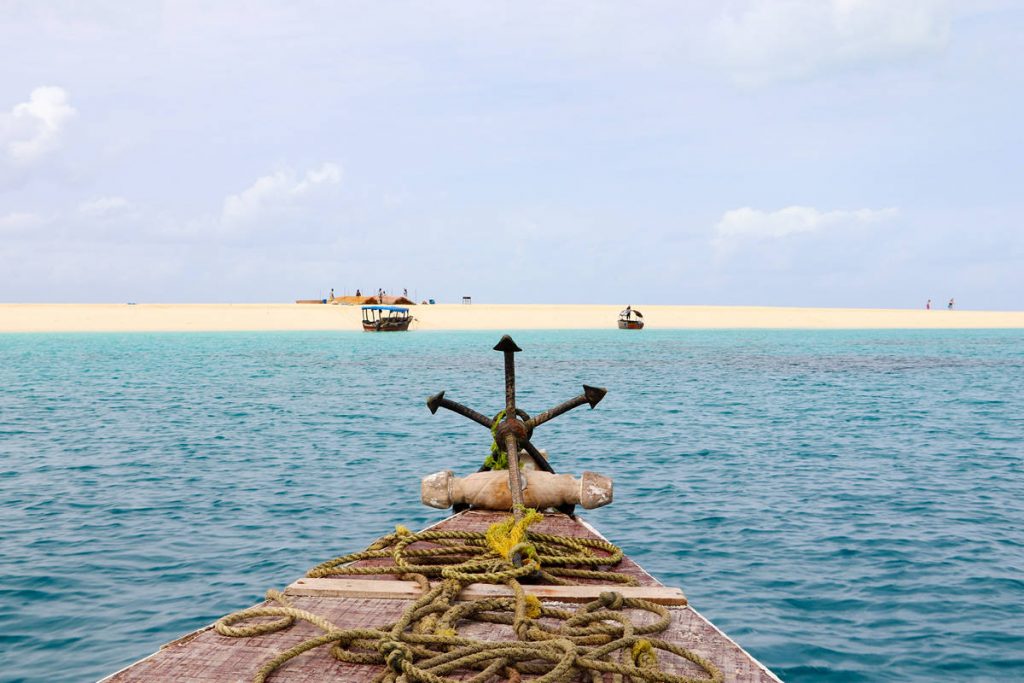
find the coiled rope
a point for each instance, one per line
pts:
(424, 645)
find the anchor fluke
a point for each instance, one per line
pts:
(507, 345)
(434, 402)
(593, 394)
(439, 401)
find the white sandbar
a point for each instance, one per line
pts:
(271, 317)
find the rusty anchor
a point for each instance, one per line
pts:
(540, 487)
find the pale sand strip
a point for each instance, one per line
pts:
(237, 317)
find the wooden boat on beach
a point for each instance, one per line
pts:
(386, 318)
(484, 595)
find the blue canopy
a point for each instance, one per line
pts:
(394, 309)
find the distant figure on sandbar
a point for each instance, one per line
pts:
(928, 306)
(332, 292)
(405, 293)
(358, 293)
(950, 307)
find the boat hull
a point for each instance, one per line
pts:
(206, 655)
(631, 325)
(387, 325)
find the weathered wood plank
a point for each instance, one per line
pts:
(407, 590)
(211, 657)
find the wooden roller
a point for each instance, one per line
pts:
(490, 490)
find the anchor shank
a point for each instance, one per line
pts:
(510, 385)
(514, 476)
(509, 348)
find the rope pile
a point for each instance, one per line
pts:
(425, 646)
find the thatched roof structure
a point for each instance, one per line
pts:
(386, 300)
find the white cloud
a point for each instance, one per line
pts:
(102, 206)
(274, 192)
(33, 129)
(19, 222)
(747, 224)
(772, 40)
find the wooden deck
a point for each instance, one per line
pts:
(371, 601)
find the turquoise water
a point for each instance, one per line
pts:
(848, 506)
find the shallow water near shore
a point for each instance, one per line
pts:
(847, 505)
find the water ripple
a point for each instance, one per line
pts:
(849, 506)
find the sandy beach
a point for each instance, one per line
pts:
(270, 317)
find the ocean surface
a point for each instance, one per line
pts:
(848, 506)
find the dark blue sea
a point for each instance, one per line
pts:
(848, 506)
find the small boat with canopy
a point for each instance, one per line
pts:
(631, 319)
(386, 318)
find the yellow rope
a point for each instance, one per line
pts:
(425, 644)
(503, 537)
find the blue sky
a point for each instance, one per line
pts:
(819, 153)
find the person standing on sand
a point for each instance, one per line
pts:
(332, 292)
(950, 307)
(928, 306)
(358, 293)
